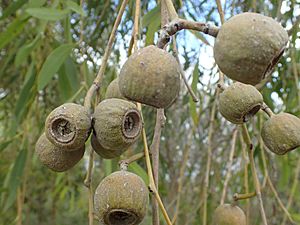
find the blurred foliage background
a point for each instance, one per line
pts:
(50, 51)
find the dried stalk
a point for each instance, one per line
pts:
(179, 24)
(229, 165)
(152, 185)
(190, 90)
(180, 181)
(88, 105)
(209, 156)
(246, 180)
(254, 172)
(97, 81)
(267, 110)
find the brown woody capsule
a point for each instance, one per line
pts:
(150, 76)
(227, 214)
(121, 199)
(104, 152)
(68, 126)
(54, 158)
(113, 90)
(248, 46)
(117, 124)
(281, 133)
(239, 102)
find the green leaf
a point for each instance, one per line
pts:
(64, 85)
(152, 14)
(4, 144)
(26, 50)
(107, 167)
(152, 21)
(35, 3)
(47, 13)
(15, 178)
(25, 92)
(193, 110)
(12, 31)
(138, 170)
(12, 8)
(75, 7)
(53, 63)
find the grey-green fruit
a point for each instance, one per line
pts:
(68, 126)
(239, 102)
(227, 214)
(104, 152)
(150, 76)
(281, 133)
(54, 158)
(248, 46)
(113, 90)
(121, 199)
(117, 124)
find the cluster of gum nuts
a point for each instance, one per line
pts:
(246, 49)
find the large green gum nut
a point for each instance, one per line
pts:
(117, 124)
(54, 157)
(104, 152)
(113, 90)
(248, 46)
(227, 214)
(121, 199)
(150, 76)
(68, 126)
(239, 102)
(281, 133)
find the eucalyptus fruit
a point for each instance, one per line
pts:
(248, 46)
(281, 133)
(104, 152)
(150, 76)
(113, 90)
(68, 126)
(54, 157)
(117, 124)
(227, 214)
(239, 102)
(121, 199)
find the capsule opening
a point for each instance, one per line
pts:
(121, 217)
(251, 113)
(131, 124)
(273, 63)
(62, 130)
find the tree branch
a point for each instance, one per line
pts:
(254, 172)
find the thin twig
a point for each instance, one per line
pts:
(254, 172)
(152, 185)
(222, 18)
(229, 165)
(246, 180)
(131, 159)
(209, 156)
(267, 110)
(190, 90)
(286, 212)
(154, 148)
(171, 9)
(178, 24)
(97, 81)
(238, 196)
(180, 180)
(220, 10)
